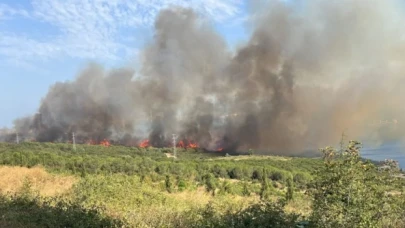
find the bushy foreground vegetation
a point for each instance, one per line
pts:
(138, 187)
(152, 162)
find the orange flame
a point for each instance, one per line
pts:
(144, 143)
(180, 144)
(192, 145)
(105, 143)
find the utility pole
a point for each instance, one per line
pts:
(17, 139)
(74, 141)
(342, 142)
(174, 145)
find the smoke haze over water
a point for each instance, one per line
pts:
(306, 75)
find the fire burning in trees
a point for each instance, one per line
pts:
(105, 143)
(193, 145)
(189, 144)
(144, 143)
(181, 144)
(296, 84)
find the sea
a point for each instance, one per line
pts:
(395, 151)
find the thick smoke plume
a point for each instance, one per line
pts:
(310, 71)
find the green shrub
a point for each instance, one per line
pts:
(181, 185)
(348, 192)
(220, 171)
(259, 215)
(236, 173)
(210, 183)
(19, 211)
(226, 187)
(257, 175)
(265, 190)
(276, 175)
(301, 179)
(290, 190)
(245, 189)
(168, 184)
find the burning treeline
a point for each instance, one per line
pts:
(310, 71)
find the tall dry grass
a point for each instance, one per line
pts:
(12, 179)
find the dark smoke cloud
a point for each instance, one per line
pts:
(306, 75)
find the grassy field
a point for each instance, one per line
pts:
(144, 187)
(51, 185)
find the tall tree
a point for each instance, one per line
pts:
(348, 191)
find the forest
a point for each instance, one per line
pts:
(58, 185)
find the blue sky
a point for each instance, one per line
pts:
(45, 41)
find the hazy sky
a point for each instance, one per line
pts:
(45, 41)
